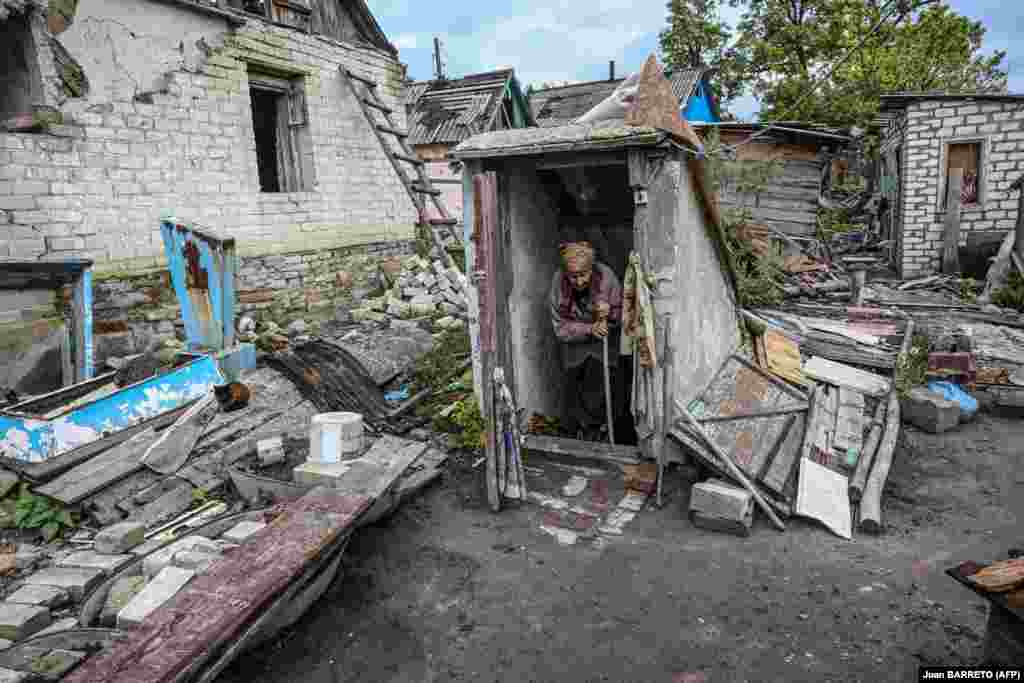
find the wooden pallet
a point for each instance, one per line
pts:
(410, 169)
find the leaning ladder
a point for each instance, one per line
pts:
(419, 187)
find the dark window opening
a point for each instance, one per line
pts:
(967, 157)
(20, 83)
(265, 107)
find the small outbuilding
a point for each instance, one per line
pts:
(625, 189)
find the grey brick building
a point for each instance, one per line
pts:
(924, 136)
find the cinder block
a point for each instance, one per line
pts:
(90, 559)
(76, 581)
(45, 596)
(18, 621)
(153, 564)
(119, 538)
(242, 531)
(929, 411)
(162, 588)
(120, 594)
(320, 474)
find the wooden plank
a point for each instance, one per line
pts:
(373, 473)
(783, 357)
(173, 502)
(595, 450)
(849, 433)
(781, 468)
(104, 505)
(838, 374)
(178, 639)
(100, 472)
(485, 197)
(951, 224)
(867, 455)
(172, 449)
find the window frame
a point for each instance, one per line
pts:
(983, 155)
(295, 172)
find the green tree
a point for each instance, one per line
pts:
(858, 49)
(696, 36)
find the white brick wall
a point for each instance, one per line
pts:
(98, 190)
(930, 126)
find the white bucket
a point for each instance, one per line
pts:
(332, 435)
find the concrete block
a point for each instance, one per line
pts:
(8, 480)
(55, 663)
(155, 563)
(45, 596)
(426, 280)
(90, 559)
(18, 621)
(242, 531)
(270, 451)
(76, 581)
(12, 676)
(119, 538)
(319, 474)
(158, 591)
(929, 411)
(4, 644)
(399, 309)
(413, 292)
(194, 561)
(120, 594)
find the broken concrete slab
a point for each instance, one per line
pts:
(119, 538)
(8, 480)
(158, 591)
(120, 594)
(4, 643)
(929, 411)
(242, 531)
(12, 676)
(155, 563)
(76, 581)
(400, 309)
(18, 621)
(55, 663)
(90, 559)
(319, 474)
(65, 624)
(45, 596)
(195, 561)
(270, 451)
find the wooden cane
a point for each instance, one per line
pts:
(607, 384)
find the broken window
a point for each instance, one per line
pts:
(20, 82)
(967, 157)
(281, 132)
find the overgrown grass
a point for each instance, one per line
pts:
(758, 278)
(969, 289)
(434, 369)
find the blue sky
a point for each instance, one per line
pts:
(574, 39)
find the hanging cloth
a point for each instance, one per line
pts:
(637, 315)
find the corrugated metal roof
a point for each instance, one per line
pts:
(446, 112)
(800, 128)
(562, 105)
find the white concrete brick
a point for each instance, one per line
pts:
(159, 590)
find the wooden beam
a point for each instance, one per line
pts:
(951, 226)
(867, 456)
(485, 196)
(99, 472)
(593, 450)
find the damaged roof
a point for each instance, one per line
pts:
(564, 104)
(576, 137)
(790, 128)
(449, 111)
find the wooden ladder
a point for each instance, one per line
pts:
(394, 142)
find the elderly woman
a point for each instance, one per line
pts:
(586, 305)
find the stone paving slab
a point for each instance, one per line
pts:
(47, 596)
(119, 538)
(11, 676)
(18, 621)
(90, 559)
(158, 591)
(76, 581)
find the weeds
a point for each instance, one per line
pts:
(33, 511)
(1012, 295)
(911, 370)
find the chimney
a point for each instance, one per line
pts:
(611, 70)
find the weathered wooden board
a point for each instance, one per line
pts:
(740, 388)
(100, 472)
(849, 422)
(177, 640)
(598, 450)
(843, 375)
(104, 505)
(373, 473)
(172, 449)
(173, 502)
(780, 471)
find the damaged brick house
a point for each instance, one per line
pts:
(234, 113)
(924, 137)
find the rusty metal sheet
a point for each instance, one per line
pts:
(180, 637)
(739, 388)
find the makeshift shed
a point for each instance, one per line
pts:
(625, 189)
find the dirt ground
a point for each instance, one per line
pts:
(446, 591)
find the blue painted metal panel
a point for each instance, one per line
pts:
(31, 439)
(202, 267)
(82, 325)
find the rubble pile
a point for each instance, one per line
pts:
(418, 289)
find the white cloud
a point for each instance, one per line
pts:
(405, 41)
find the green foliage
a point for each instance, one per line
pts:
(1012, 295)
(465, 421)
(911, 369)
(969, 289)
(782, 47)
(38, 512)
(833, 222)
(433, 370)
